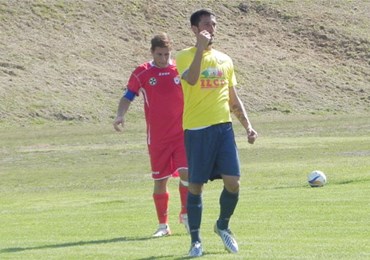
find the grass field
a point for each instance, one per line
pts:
(82, 191)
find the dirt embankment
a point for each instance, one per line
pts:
(70, 60)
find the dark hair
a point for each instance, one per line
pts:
(196, 16)
(161, 40)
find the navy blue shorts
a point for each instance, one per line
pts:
(211, 152)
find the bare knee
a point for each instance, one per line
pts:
(183, 172)
(160, 186)
(231, 183)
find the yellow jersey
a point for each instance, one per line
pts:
(207, 102)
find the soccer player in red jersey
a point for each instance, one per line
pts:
(159, 83)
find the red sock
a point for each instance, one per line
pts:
(161, 205)
(183, 196)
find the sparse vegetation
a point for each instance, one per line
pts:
(291, 56)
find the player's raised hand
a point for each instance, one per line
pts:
(118, 121)
(203, 39)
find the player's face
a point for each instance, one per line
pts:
(208, 23)
(161, 56)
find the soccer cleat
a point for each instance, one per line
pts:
(196, 250)
(163, 230)
(228, 239)
(183, 218)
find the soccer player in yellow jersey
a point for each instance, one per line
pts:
(208, 81)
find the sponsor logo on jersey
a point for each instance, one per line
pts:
(212, 73)
(212, 78)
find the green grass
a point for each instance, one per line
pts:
(82, 191)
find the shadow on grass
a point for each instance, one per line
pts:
(180, 257)
(71, 244)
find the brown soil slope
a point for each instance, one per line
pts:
(70, 60)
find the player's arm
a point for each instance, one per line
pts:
(238, 109)
(192, 74)
(123, 107)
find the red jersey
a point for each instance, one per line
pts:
(163, 100)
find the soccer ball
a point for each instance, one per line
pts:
(316, 179)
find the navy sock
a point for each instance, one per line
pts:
(228, 202)
(194, 207)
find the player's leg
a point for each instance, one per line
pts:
(160, 158)
(228, 201)
(161, 198)
(228, 165)
(194, 198)
(195, 210)
(200, 145)
(180, 164)
(183, 190)
(229, 168)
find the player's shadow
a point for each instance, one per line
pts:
(208, 253)
(71, 244)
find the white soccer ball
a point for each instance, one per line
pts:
(316, 179)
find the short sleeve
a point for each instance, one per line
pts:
(183, 61)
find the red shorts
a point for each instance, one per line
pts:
(167, 159)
